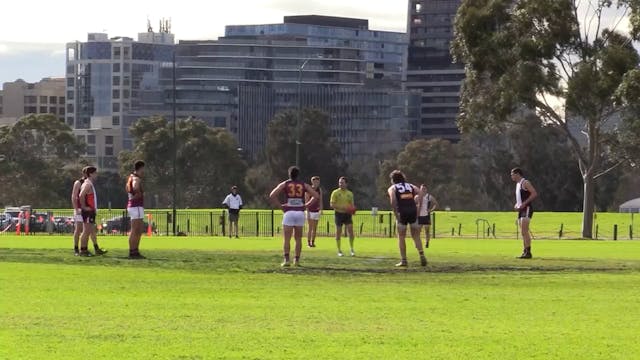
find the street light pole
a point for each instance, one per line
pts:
(175, 147)
(299, 117)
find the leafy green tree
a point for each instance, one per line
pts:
(319, 154)
(208, 161)
(40, 162)
(536, 55)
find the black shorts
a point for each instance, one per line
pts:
(407, 218)
(424, 220)
(526, 213)
(343, 219)
(89, 217)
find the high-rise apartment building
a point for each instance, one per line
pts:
(430, 68)
(105, 80)
(20, 98)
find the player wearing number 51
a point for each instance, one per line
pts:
(294, 206)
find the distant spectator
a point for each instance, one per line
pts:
(233, 203)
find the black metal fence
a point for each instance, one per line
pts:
(262, 223)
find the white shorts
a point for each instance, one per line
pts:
(314, 215)
(293, 218)
(136, 213)
(77, 216)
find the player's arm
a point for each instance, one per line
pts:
(333, 200)
(321, 202)
(225, 202)
(312, 192)
(392, 198)
(434, 203)
(84, 191)
(74, 194)
(135, 188)
(532, 194)
(240, 202)
(275, 193)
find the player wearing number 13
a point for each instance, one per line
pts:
(294, 206)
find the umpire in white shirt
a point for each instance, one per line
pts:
(233, 202)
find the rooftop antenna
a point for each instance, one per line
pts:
(149, 27)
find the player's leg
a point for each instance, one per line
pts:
(309, 230)
(313, 226)
(235, 224)
(339, 223)
(526, 237)
(286, 245)
(297, 235)
(349, 229)
(415, 234)
(402, 245)
(427, 235)
(77, 230)
(86, 233)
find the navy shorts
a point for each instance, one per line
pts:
(526, 213)
(343, 219)
(424, 220)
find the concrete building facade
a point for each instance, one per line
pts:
(20, 98)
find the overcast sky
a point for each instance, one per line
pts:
(33, 33)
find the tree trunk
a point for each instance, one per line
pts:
(588, 205)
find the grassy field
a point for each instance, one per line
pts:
(215, 298)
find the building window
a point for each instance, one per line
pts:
(70, 108)
(126, 81)
(127, 67)
(61, 100)
(70, 121)
(116, 107)
(31, 99)
(70, 82)
(116, 52)
(116, 94)
(69, 95)
(80, 138)
(126, 52)
(53, 110)
(108, 140)
(61, 111)
(116, 67)
(125, 94)
(91, 139)
(91, 150)
(43, 99)
(108, 151)
(53, 100)
(116, 81)
(115, 120)
(220, 121)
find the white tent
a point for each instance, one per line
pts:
(631, 206)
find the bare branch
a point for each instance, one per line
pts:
(609, 170)
(562, 124)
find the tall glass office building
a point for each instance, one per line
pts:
(243, 79)
(106, 79)
(430, 68)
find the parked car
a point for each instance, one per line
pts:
(121, 224)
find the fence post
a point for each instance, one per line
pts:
(630, 232)
(168, 221)
(390, 226)
(273, 223)
(561, 231)
(433, 225)
(188, 225)
(124, 224)
(597, 228)
(257, 224)
(459, 229)
(615, 232)
(494, 230)
(211, 222)
(224, 224)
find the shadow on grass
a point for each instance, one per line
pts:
(268, 263)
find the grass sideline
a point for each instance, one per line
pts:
(215, 298)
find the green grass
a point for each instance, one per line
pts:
(215, 298)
